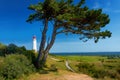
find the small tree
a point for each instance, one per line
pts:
(2, 49)
(67, 18)
(11, 49)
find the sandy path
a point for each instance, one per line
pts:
(77, 77)
(61, 75)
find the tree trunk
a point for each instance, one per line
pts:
(52, 40)
(50, 44)
(42, 45)
(45, 58)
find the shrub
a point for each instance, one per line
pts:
(99, 73)
(11, 49)
(2, 78)
(42, 71)
(30, 55)
(53, 68)
(15, 66)
(85, 67)
(2, 49)
(118, 76)
(118, 70)
(90, 69)
(112, 74)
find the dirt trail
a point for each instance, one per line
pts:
(61, 75)
(77, 77)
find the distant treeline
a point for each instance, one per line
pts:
(14, 49)
(10, 49)
(15, 61)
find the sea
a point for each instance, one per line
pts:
(88, 53)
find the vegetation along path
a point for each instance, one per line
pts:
(66, 64)
(66, 75)
(60, 75)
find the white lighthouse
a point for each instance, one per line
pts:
(34, 44)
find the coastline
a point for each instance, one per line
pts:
(87, 53)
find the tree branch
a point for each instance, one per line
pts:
(43, 40)
(70, 31)
(52, 39)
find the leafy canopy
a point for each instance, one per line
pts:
(72, 18)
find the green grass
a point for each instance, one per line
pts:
(81, 58)
(1, 60)
(74, 60)
(100, 67)
(59, 64)
(85, 58)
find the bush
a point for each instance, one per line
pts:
(15, 66)
(90, 69)
(2, 49)
(2, 78)
(53, 68)
(42, 71)
(30, 55)
(11, 49)
(98, 72)
(85, 67)
(112, 74)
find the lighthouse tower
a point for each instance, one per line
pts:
(34, 44)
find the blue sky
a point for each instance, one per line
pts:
(15, 29)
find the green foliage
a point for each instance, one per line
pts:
(30, 55)
(72, 18)
(15, 66)
(99, 67)
(85, 67)
(53, 68)
(85, 58)
(1, 61)
(2, 49)
(1, 45)
(11, 49)
(42, 71)
(107, 68)
(68, 17)
(2, 78)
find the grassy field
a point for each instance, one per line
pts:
(62, 73)
(99, 67)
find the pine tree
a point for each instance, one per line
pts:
(67, 18)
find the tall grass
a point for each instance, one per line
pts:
(99, 67)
